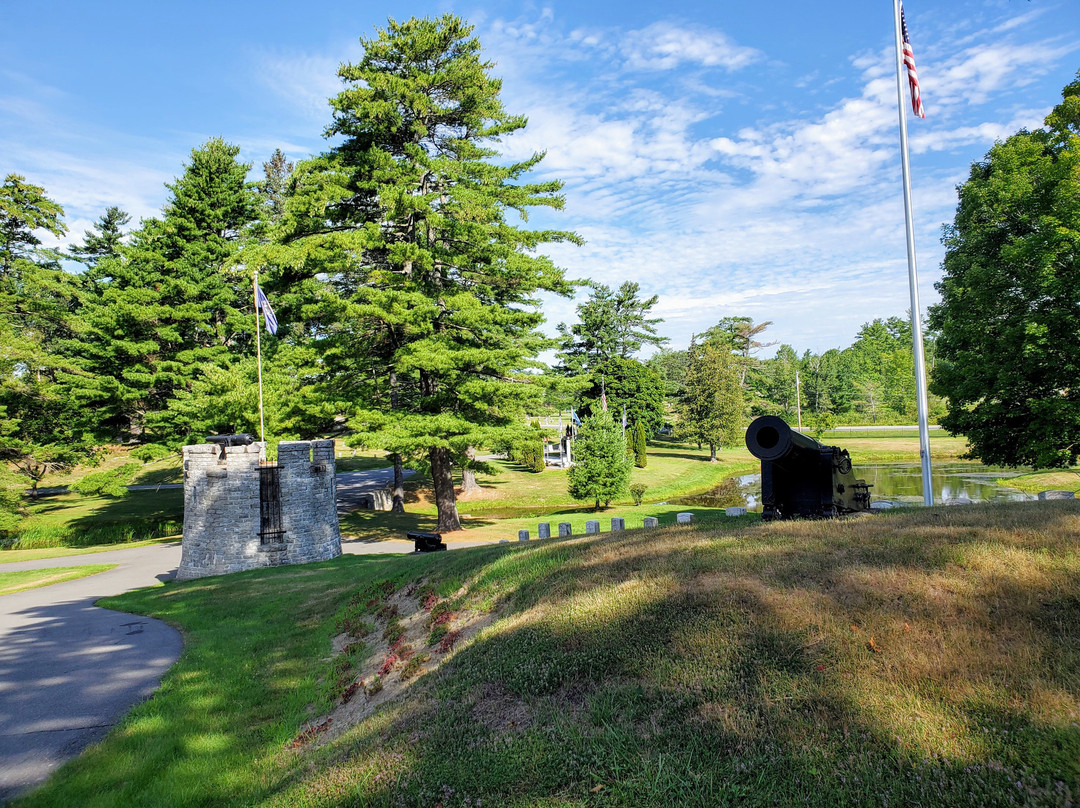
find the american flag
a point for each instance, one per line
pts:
(912, 74)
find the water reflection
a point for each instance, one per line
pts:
(898, 483)
(971, 481)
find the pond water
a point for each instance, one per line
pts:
(898, 483)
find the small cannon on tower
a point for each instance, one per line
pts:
(799, 476)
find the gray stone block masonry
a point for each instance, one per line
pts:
(222, 521)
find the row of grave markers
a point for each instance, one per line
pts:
(618, 523)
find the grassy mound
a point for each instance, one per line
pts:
(929, 657)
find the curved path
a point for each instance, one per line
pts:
(70, 670)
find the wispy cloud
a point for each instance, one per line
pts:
(666, 45)
(785, 219)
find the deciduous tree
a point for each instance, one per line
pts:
(711, 410)
(1009, 344)
(627, 382)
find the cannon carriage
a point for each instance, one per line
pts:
(801, 477)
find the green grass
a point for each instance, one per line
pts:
(69, 509)
(512, 499)
(166, 470)
(928, 657)
(369, 525)
(674, 470)
(898, 449)
(76, 522)
(11, 556)
(11, 582)
(362, 463)
(1049, 480)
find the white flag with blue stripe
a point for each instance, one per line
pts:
(264, 305)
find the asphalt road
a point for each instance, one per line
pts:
(70, 670)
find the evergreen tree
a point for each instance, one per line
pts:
(611, 323)
(739, 335)
(601, 470)
(171, 305)
(275, 183)
(407, 219)
(103, 241)
(711, 410)
(641, 459)
(38, 301)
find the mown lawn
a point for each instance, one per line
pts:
(1049, 480)
(37, 554)
(11, 582)
(512, 498)
(928, 657)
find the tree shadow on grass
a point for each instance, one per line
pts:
(839, 664)
(918, 658)
(70, 672)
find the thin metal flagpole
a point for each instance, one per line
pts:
(798, 398)
(913, 277)
(258, 354)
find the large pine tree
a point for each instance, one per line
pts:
(408, 219)
(171, 304)
(38, 301)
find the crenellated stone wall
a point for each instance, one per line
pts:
(222, 510)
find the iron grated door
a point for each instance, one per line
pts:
(270, 525)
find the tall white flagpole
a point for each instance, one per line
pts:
(258, 353)
(913, 278)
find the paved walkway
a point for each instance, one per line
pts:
(70, 670)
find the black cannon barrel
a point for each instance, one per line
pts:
(242, 439)
(770, 438)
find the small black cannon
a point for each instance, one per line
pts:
(799, 476)
(241, 439)
(426, 542)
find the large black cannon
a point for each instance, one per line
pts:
(799, 476)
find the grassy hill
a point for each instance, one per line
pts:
(929, 657)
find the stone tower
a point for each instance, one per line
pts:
(240, 514)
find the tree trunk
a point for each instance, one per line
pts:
(469, 485)
(398, 497)
(468, 482)
(712, 452)
(445, 500)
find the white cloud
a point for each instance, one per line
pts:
(303, 82)
(975, 75)
(666, 45)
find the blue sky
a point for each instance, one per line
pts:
(733, 158)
